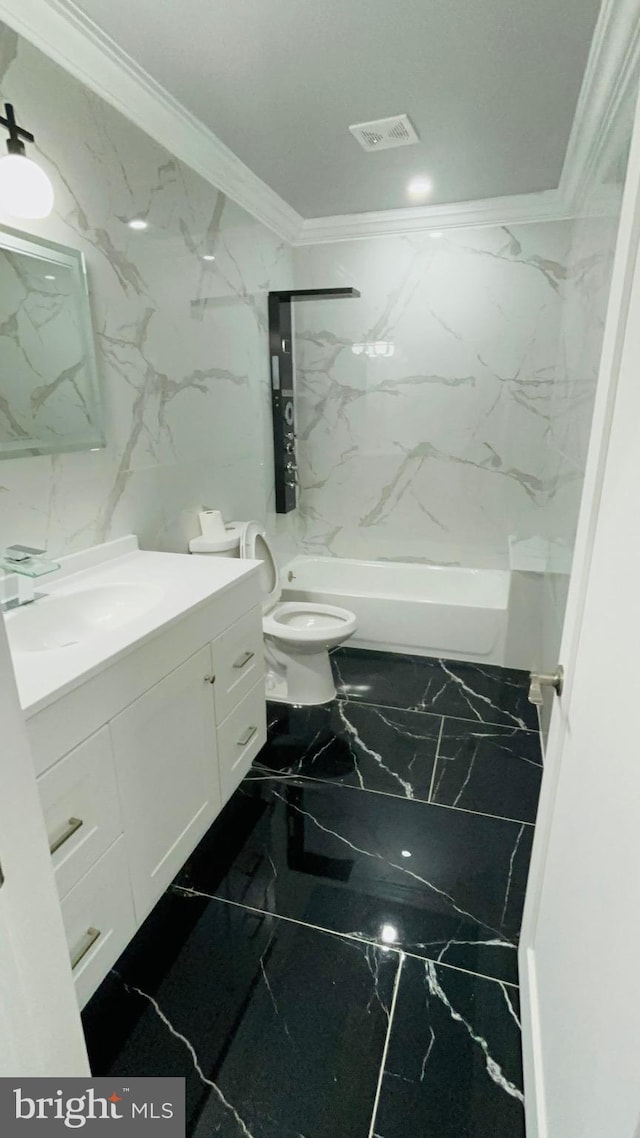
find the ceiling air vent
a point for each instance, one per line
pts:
(382, 134)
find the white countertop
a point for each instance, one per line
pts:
(182, 582)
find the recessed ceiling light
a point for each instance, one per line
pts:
(208, 257)
(419, 187)
(138, 223)
(436, 233)
(49, 277)
(405, 853)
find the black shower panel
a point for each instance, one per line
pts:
(282, 388)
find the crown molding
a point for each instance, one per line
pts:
(519, 209)
(546, 205)
(68, 37)
(600, 128)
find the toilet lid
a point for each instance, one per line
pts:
(254, 544)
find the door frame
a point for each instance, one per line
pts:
(626, 263)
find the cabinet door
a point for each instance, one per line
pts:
(167, 769)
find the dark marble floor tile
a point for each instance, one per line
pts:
(493, 769)
(374, 748)
(441, 883)
(481, 692)
(278, 1029)
(453, 1068)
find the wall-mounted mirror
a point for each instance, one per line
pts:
(49, 397)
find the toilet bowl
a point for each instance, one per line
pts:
(298, 635)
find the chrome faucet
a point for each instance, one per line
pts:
(21, 565)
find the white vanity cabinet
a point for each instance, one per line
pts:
(135, 762)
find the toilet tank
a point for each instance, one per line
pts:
(228, 546)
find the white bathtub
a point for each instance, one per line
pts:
(403, 607)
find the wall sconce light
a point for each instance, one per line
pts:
(25, 189)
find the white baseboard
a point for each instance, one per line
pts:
(534, 1097)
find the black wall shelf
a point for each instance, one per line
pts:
(282, 389)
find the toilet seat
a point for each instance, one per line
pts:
(298, 622)
(302, 622)
(254, 545)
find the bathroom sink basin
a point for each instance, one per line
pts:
(70, 619)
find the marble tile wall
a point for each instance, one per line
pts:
(425, 407)
(590, 262)
(181, 342)
(442, 412)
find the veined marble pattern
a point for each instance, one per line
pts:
(435, 452)
(454, 1022)
(46, 383)
(226, 1005)
(483, 693)
(337, 956)
(424, 407)
(373, 748)
(443, 884)
(490, 769)
(565, 455)
(487, 769)
(181, 342)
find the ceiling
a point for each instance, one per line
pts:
(490, 85)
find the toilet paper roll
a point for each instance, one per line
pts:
(211, 524)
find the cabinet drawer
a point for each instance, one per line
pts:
(80, 804)
(240, 738)
(99, 920)
(238, 661)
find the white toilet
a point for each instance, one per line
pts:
(298, 635)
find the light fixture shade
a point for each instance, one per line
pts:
(25, 189)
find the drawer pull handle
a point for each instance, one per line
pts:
(244, 739)
(209, 679)
(90, 938)
(244, 659)
(72, 825)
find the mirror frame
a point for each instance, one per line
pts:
(73, 259)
